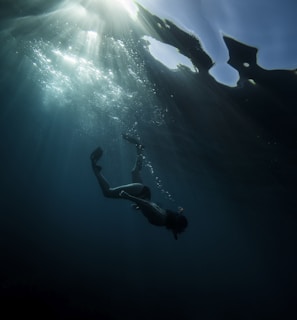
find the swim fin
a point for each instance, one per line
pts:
(96, 154)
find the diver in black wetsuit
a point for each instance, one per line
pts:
(138, 193)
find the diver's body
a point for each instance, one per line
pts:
(155, 214)
(138, 193)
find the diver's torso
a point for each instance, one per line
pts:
(157, 216)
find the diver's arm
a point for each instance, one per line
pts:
(140, 202)
(155, 215)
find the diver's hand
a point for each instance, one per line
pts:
(123, 194)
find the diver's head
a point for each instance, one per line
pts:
(176, 222)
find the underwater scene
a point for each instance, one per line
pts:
(148, 159)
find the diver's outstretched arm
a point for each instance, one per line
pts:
(155, 215)
(140, 202)
(143, 204)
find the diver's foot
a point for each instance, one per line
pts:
(133, 140)
(96, 155)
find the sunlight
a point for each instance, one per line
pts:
(64, 76)
(85, 69)
(91, 36)
(167, 54)
(66, 57)
(76, 9)
(129, 6)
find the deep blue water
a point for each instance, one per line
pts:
(227, 155)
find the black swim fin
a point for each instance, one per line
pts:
(96, 154)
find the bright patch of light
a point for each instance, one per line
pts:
(92, 35)
(75, 9)
(168, 55)
(225, 74)
(252, 81)
(66, 57)
(129, 6)
(81, 10)
(65, 76)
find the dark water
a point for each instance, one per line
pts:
(227, 155)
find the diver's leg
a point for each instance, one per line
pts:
(133, 140)
(96, 155)
(106, 190)
(133, 188)
(135, 173)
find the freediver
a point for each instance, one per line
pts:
(139, 193)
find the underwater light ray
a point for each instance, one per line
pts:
(130, 7)
(80, 57)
